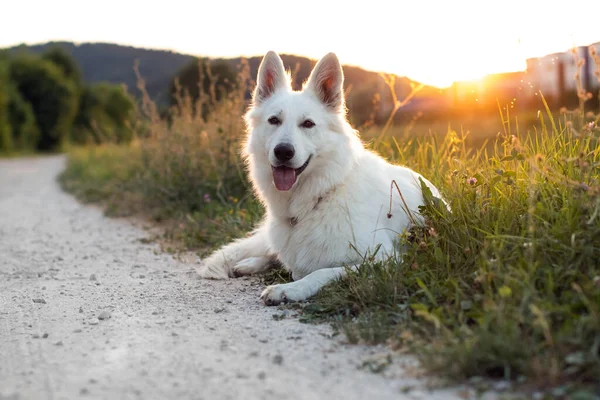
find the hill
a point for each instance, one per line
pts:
(105, 62)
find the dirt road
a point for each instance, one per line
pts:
(162, 333)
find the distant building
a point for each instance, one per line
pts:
(555, 74)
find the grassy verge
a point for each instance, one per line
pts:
(505, 286)
(183, 172)
(508, 284)
(117, 177)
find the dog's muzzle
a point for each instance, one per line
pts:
(284, 177)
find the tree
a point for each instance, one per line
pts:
(104, 114)
(6, 143)
(63, 60)
(18, 129)
(25, 132)
(52, 97)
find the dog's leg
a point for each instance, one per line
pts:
(303, 288)
(253, 265)
(241, 257)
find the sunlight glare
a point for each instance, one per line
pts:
(435, 43)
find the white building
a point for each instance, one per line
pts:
(555, 74)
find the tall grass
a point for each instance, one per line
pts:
(184, 170)
(506, 285)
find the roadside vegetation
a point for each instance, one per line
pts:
(506, 286)
(45, 105)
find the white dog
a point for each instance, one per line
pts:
(326, 197)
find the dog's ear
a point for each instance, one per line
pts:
(271, 77)
(326, 82)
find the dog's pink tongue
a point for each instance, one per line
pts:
(284, 177)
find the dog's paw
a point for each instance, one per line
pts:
(212, 271)
(287, 292)
(274, 295)
(251, 265)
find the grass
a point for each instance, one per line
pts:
(183, 172)
(506, 286)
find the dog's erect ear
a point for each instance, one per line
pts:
(271, 77)
(326, 81)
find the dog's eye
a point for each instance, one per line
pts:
(308, 124)
(274, 121)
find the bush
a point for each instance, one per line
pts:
(52, 97)
(67, 65)
(184, 169)
(6, 143)
(104, 115)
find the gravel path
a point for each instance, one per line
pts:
(87, 310)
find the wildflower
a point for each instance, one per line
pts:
(583, 187)
(591, 125)
(432, 232)
(472, 181)
(207, 198)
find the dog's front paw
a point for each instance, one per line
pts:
(288, 292)
(213, 270)
(251, 265)
(274, 295)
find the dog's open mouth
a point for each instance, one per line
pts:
(285, 177)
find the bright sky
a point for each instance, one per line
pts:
(435, 42)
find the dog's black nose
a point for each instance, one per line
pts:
(284, 151)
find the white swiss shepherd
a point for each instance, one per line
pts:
(325, 195)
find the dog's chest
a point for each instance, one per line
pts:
(327, 235)
(312, 241)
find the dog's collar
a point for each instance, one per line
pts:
(294, 220)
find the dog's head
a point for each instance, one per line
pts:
(297, 132)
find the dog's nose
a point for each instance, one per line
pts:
(284, 151)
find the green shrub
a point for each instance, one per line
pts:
(6, 143)
(52, 97)
(25, 132)
(105, 114)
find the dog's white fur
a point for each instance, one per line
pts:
(336, 211)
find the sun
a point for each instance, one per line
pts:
(442, 74)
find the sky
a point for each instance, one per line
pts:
(434, 42)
